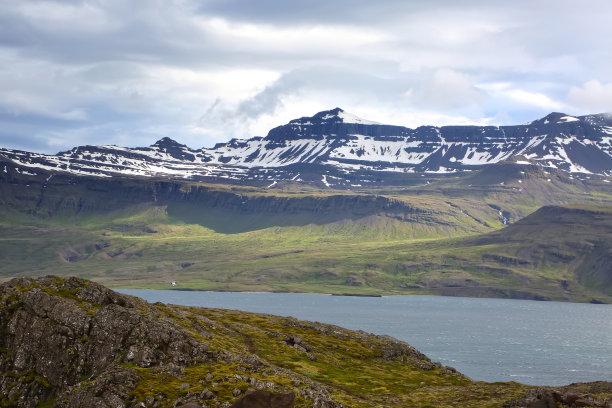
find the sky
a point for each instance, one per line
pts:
(202, 72)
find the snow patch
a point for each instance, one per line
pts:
(565, 119)
(350, 118)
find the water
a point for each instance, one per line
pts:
(537, 343)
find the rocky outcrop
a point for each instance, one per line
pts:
(63, 332)
(572, 396)
(75, 343)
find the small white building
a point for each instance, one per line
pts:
(173, 283)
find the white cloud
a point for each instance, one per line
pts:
(445, 89)
(300, 40)
(537, 99)
(593, 96)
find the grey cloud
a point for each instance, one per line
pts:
(135, 33)
(161, 33)
(320, 11)
(93, 71)
(342, 81)
(446, 89)
(49, 135)
(235, 120)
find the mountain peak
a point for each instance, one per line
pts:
(167, 142)
(173, 149)
(336, 115)
(332, 114)
(558, 117)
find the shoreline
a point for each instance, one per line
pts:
(373, 295)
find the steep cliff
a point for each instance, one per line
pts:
(252, 208)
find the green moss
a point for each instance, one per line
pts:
(352, 366)
(153, 381)
(46, 404)
(42, 381)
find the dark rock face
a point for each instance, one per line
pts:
(173, 149)
(69, 195)
(328, 123)
(90, 332)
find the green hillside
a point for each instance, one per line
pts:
(441, 235)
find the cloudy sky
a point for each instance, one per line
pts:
(204, 71)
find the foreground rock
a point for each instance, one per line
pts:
(574, 395)
(74, 343)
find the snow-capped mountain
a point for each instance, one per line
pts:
(337, 148)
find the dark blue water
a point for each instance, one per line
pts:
(538, 343)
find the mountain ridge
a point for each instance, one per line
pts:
(337, 149)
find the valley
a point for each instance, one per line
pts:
(444, 234)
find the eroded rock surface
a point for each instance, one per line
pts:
(64, 332)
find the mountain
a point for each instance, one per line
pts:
(471, 236)
(337, 149)
(556, 252)
(74, 343)
(143, 217)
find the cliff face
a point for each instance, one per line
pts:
(74, 343)
(67, 196)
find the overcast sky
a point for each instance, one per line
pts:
(131, 72)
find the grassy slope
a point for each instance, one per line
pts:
(349, 363)
(148, 244)
(357, 369)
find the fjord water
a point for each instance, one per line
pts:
(536, 343)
